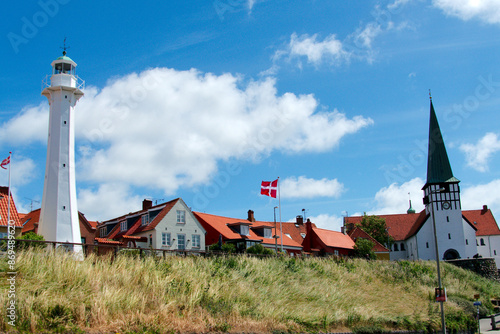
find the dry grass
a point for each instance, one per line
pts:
(232, 294)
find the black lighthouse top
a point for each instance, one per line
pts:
(438, 164)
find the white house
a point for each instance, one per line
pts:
(168, 226)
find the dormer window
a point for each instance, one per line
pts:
(144, 220)
(244, 230)
(102, 232)
(123, 225)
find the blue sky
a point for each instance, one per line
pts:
(205, 99)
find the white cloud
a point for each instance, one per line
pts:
(329, 50)
(163, 129)
(108, 201)
(364, 37)
(328, 222)
(23, 170)
(394, 198)
(31, 124)
(303, 187)
(485, 10)
(477, 155)
(474, 197)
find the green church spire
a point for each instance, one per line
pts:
(438, 165)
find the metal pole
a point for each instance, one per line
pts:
(275, 232)
(443, 323)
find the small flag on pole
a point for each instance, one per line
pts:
(269, 188)
(5, 162)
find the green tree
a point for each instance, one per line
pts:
(226, 248)
(376, 227)
(364, 249)
(27, 244)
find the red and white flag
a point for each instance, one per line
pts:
(5, 162)
(269, 188)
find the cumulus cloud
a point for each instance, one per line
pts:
(394, 198)
(29, 125)
(474, 197)
(23, 170)
(316, 51)
(328, 222)
(477, 155)
(485, 10)
(303, 187)
(162, 129)
(108, 201)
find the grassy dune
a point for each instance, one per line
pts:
(235, 294)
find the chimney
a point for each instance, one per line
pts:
(251, 217)
(308, 226)
(300, 220)
(485, 209)
(147, 204)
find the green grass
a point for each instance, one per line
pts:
(235, 294)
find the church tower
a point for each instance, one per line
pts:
(59, 211)
(442, 199)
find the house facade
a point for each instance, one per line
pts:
(167, 226)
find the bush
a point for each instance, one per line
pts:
(30, 236)
(364, 249)
(226, 248)
(259, 249)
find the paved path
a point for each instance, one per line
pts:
(485, 325)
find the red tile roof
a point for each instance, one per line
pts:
(334, 239)
(358, 232)
(220, 225)
(107, 241)
(4, 212)
(403, 226)
(483, 221)
(30, 220)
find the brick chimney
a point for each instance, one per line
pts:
(300, 220)
(251, 217)
(147, 204)
(485, 209)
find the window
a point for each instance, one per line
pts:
(303, 235)
(447, 219)
(123, 225)
(144, 220)
(165, 239)
(482, 242)
(151, 240)
(449, 235)
(495, 252)
(102, 232)
(181, 241)
(83, 240)
(196, 241)
(402, 246)
(466, 241)
(267, 233)
(336, 252)
(427, 245)
(288, 235)
(396, 247)
(4, 235)
(244, 230)
(181, 216)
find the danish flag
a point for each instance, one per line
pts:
(5, 162)
(269, 188)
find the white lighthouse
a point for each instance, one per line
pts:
(59, 212)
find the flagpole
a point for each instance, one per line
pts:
(8, 195)
(279, 204)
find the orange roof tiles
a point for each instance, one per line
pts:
(4, 208)
(334, 238)
(483, 221)
(221, 224)
(30, 220)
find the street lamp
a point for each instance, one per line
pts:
(443, 324)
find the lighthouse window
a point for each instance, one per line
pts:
(64, 165)
(65, 122)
